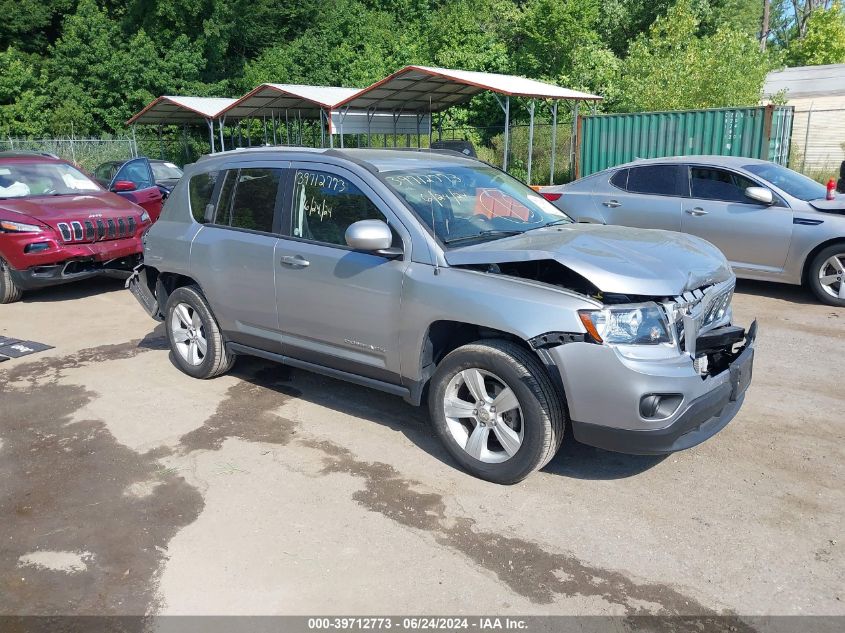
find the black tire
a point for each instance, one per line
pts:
(543, 414)
(9, 291)
(819, 261)
(216, 360)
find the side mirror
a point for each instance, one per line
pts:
(124, 185)
(761, 195)
(373, 236)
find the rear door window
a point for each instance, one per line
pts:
(660, 180)
(709, 183)
(249, 199)
(200, 192)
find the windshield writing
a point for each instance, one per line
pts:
(464, 203)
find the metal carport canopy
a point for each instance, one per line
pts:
(428, 89)
(309, 101)
(173, 110)
(170, 110)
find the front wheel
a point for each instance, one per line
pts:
(9, 291)
(826, 275)
(194, 336)
(496, 410)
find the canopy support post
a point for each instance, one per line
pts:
(554, 143)
(574, 148)
(211, 132)
(220, 123)
(185, 142)
(273, 125)
(287, 127)
(371, 112)
(506, 108)
(530, 137)
(342, 116)
(134, 150)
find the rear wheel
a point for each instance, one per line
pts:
(194, 336)
(9, 291)
(496, 410)
(826, 275)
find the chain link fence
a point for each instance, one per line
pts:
(85, 152)
(818, 143)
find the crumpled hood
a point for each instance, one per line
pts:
(51, 209)
(615, 259)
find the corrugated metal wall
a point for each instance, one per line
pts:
(606, 140)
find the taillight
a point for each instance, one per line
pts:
(551, 197)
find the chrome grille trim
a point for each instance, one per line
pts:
(96, 230)
(698, 311)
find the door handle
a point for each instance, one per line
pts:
(295, 261)
(697, 211)
(612, 203)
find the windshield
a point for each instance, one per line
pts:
(21, 180)
(462, 204)
(166, 171)
(793, 183)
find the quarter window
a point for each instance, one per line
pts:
(620, 179)
(719, 184)
(200, 189)
(248, 199)
(324, 205)
(659, 180)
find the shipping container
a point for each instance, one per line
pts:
(607, 140)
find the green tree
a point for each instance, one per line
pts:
(824, 41)
(99, 77)
(674, 67)
(22, 95)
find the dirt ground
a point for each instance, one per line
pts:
(127, 487)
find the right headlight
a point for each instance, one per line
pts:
(7, 226)
(641, 324)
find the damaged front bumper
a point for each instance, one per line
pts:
(140, 287)
(73, 270)
(651, 406)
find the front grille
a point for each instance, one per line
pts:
(97, 230)
(699, 311)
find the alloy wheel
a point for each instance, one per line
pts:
(832, 276)
(483, 415)
(188, 334)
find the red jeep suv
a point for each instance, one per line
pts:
(58, 225)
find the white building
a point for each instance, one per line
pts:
(818, 131)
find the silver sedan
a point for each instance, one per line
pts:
(772, 223)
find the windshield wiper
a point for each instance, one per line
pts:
(553, 222)
(475, 236)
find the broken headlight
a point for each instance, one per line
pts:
(642, 324)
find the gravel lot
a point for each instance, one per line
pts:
(128, 488)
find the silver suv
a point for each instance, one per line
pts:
(439, 278)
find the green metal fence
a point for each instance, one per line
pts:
(606, 140)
